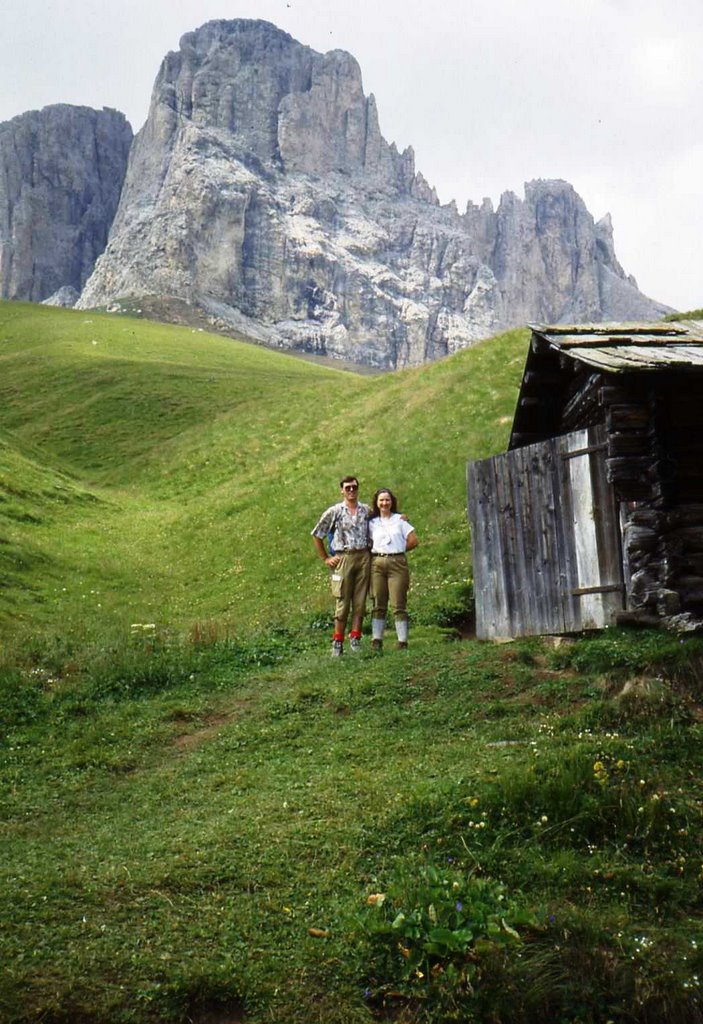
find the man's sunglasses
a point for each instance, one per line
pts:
(351, 487)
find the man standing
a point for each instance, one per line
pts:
(346, 524)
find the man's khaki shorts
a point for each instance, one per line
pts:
(349, 583)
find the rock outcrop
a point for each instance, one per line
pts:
(61, 173)
(66, 296)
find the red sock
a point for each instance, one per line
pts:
(355, 634)
(338, 636)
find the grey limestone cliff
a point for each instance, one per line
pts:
(61, 172)
(262, 190)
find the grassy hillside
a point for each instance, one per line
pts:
(206, 819)
(693, 314)
(221, 833)
(192, 468)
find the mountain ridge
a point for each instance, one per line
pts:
(61, 172)
(262, 191)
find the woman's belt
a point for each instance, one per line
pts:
(386, 554)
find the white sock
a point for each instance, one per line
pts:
(377, 628)
(401, 628)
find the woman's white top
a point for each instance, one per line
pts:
(389, 536)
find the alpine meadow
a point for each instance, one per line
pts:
(205, 817)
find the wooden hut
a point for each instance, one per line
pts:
(594, 515)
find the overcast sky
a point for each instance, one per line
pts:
(607, 94)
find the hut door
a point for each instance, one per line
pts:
(545, 538)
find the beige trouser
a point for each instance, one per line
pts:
(390, 578)
(350, 584)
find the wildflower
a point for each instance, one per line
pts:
(375, 899)
(459, 905)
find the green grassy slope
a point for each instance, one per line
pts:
(196, 814)
(207, 462)
(176, 820)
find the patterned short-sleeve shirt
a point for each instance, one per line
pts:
(350, 532)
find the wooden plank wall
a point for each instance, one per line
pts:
(545, 539)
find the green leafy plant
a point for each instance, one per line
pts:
(443, 937)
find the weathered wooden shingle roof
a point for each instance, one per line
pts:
(628, 348)
(564, 360)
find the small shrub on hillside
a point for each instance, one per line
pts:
(570, 968)
(588, 800)
(619, 652)
(449, 605)
(322, 623)
(686, 676)
(152, 662)
(147, 662)
(589, 970)
(22, 697)
(646, 703)
(443, 940)
(449, 946)
(131, 673)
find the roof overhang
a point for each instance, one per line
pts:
(627, 348)
(560, 351)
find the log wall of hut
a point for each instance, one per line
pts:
(632, 466)
(655, 464)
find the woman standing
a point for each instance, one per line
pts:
(391, 536)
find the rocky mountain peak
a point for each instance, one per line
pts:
(262, 191)
(277, 100)
(61, 171)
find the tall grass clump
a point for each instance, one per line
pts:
(48, 681)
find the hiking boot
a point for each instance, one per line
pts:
(402, 645)
(377, 645)
(337, 648)
(355, 644)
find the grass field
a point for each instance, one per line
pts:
(207, 819)
(152, 473)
